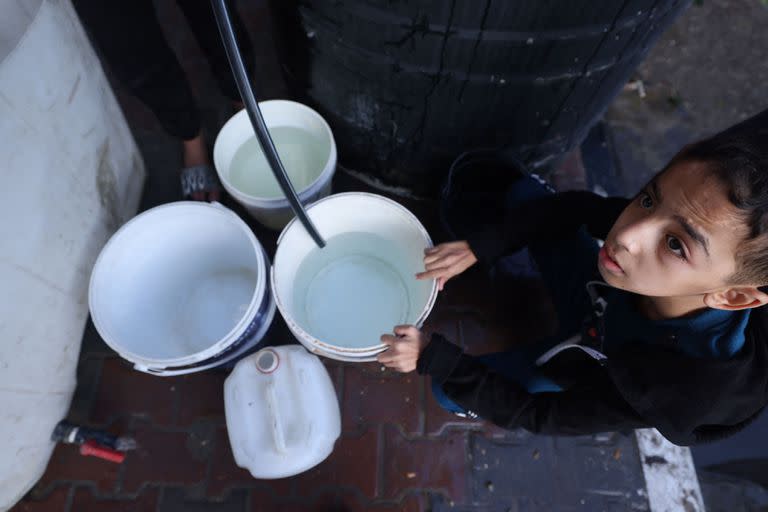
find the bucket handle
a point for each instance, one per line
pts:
(163, 372)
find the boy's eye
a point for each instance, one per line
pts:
(674, 245)
(646, 201)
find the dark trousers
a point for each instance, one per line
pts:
(129, 37)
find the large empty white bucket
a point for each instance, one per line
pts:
(339, 300)
(306, 147)
(181, 288)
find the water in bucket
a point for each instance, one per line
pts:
(303, 155)
(354, 290)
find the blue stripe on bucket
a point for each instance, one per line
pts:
(247, 336)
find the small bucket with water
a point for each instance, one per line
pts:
(306, 147)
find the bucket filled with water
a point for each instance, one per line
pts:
(339, 300)
(307, 150)
(181, 288)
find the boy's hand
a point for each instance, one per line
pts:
(445, 261)
(404, 348)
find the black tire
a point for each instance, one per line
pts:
(408, 86)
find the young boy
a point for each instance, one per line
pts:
(672, 337)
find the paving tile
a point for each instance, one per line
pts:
(557, 472)
(66, 464)
(509, 471)
(501, 435)
(55, 500)
(264, 501)
(124, 391)
(372, 397)
(226, 475)
(85, 501)
(201, 396)
(370, 369)
(419, 464)
(439, 503)
(353, 464)
(519, 504)
(177, 500)
(411, 503)
(167, 457)
(334, 500)
(605, 469)
(336, 372)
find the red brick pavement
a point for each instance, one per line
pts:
(397, 446)
(398, 450)
(86, 501)
(57, 499)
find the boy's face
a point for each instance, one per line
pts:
(678, 237)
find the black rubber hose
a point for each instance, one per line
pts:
(243, 81)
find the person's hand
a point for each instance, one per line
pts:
(404, 348)
(445, 261)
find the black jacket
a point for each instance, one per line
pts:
(689, 400)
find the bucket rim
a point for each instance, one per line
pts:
(280, 202)
(217, 360)
(330, 349)
(159, 364)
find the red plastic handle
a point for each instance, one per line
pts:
(96, 450)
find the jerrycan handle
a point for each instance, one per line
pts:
(277, 423)
(267, 362)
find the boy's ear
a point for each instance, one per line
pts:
(735, 298)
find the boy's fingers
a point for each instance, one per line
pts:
(440, 283)
(432, 274)
(385, 359)
(442, 260)
(405, 330)
(431, 250)
(432, 258)
(388, 339)
(424, 275)
(436, 265)
(442, 264)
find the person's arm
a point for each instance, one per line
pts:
(546, 218)
(583, 409)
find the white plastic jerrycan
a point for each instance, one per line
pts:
(282, 412)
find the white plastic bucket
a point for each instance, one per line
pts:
(282, 412)
(181, 288)
(339, 300)
(311, 177)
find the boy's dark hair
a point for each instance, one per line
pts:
(739, 159)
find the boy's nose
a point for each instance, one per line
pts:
(635, 235)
